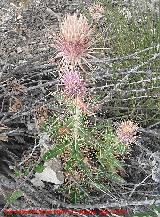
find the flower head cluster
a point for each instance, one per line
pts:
(126, 132)
(74, 39)
(74, 86)
(96, 11)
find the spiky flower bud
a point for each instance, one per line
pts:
(126, 132)
(74, 39)
(74, 86)
(96, 11)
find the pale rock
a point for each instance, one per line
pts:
(48, 175)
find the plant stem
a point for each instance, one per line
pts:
(76, 126)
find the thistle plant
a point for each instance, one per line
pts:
(89, 150)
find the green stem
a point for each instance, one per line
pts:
(76, 126)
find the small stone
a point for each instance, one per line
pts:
(48, 175)
(19, 17)
(60, 176)
(54, 164)
(37, 182)
(19, 50)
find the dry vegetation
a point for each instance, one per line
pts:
(122, 83)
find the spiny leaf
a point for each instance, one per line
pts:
(13, 198)
(39, 168)
(17, 173)
(58, 150)
(121, 149)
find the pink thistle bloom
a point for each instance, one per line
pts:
(126, 132)
(96, 11)
(74, 39)
(74, 86)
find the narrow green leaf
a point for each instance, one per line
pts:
(58, 150)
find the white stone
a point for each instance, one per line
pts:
(48, 175)
(19, 50)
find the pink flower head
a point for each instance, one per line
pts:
(74, 39)
(74, 86)
(126, 132)
(96, 11)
